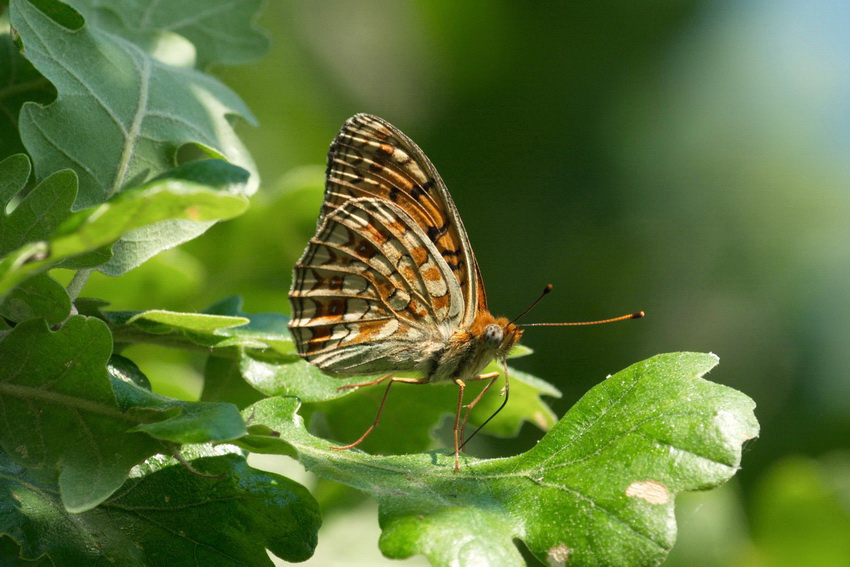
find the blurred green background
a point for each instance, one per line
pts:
(685, 158)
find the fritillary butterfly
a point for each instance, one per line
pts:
(389, 282)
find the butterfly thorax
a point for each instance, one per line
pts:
(467, 351)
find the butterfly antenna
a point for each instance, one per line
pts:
(637, 315)
(501, 407)
(545, 292)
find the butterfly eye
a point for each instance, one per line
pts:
(493, 336)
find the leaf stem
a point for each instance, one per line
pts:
(77, 282)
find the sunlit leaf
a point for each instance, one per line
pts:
(133, 111)
(90, 229)
(598, 489)
(221, 31)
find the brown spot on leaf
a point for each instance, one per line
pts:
(558, 555)
(650, 490)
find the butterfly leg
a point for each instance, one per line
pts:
(462, 386)
(369, 383)
(491, 376)
(393, 380)
(458, 430)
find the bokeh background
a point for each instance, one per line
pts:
(691, 159)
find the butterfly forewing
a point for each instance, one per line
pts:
(371, 158)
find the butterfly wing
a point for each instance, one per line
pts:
(371, 158)
(371, 293)
(390, 274)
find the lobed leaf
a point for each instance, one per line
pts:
(20, 82)
(598, 489)
(278, 371)
(14, 173)
(168, 516)
(417, 410)
(186, 330)
(39, 213)
(134, 108)
(269, 328)
(69, 423)
(266, 361)
(221, 31)
(140, 244)
(39, 296)
(221, 326)
(91, 229)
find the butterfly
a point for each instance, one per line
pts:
(389, 282)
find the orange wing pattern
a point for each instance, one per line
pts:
(390, 274)
(371, 158)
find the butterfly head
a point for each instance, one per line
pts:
(500, 335)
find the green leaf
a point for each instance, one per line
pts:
(221, 31)
(278, 371)
(39, 296)
(14, 173)
(418, 410)
(169, 516)
(133, 111)
(198, 324)
(597, 490)
(291, 376)
(524, 404)
(90, 229)
(55, 396)
(19, 82)
(138, 245)
(24, 226)
(269, 328)
(125, 369)
(222, 326)
(519, 351)
(68, 422)
(178, 421)
(170, 328)
(40, 213)
(213, 173)
(223, 381)
(414, 409)
(267, 362)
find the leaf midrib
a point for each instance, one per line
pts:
(63, 400)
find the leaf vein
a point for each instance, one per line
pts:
(595, 505)
(132, 135)
(201, 16)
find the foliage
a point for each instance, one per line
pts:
(117, 146)
(597, 490)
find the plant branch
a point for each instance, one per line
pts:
(77, 283)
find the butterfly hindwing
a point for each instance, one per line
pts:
(370, 290)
